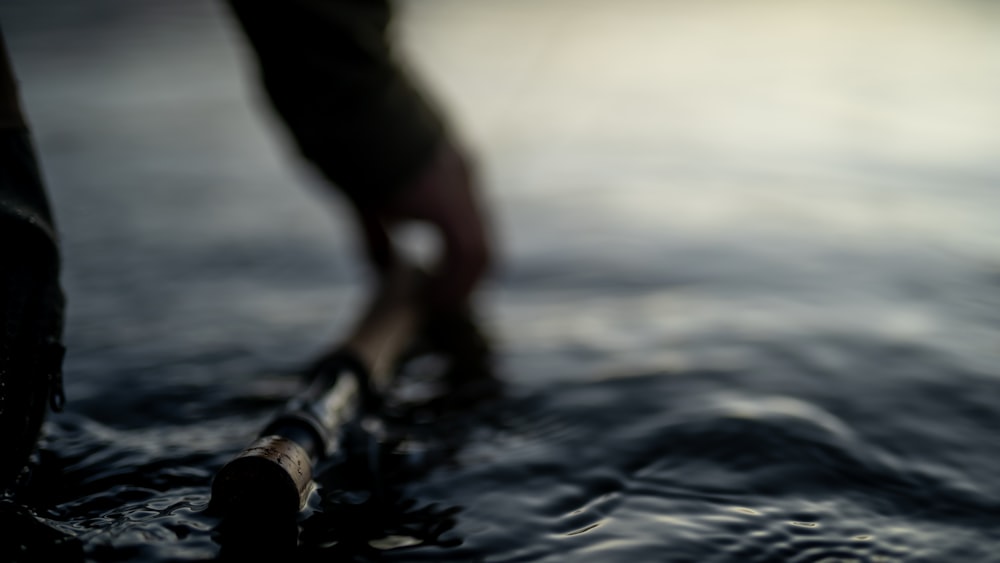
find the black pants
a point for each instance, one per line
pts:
(347, 98)
(31, 298)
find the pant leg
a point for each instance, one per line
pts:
(349, 103)
(32, 302)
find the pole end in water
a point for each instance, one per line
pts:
(271, 477)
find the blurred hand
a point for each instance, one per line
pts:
(443, 196)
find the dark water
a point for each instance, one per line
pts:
(748, 309)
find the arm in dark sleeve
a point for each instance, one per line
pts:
(328, 69)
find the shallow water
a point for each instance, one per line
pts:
(747, 309)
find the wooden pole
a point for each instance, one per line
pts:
(273, 475)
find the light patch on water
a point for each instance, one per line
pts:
(394, 542)
(770, 408)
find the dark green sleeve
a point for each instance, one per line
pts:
(327, 67)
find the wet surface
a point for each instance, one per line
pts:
(747, 309)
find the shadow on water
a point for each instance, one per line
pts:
(27, 538)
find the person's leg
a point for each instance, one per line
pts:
(353, 109)
(356, 110)
(31, 297)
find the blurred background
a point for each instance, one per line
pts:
(659, 143)
(781, 208)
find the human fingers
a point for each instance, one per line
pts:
(375, 239)
(445, 197)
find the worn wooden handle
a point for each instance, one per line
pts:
(388, 325)
(274, 474)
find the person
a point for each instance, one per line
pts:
(331, 74)
(355, 113)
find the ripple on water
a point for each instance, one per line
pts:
(692, 471)
(629, 468)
